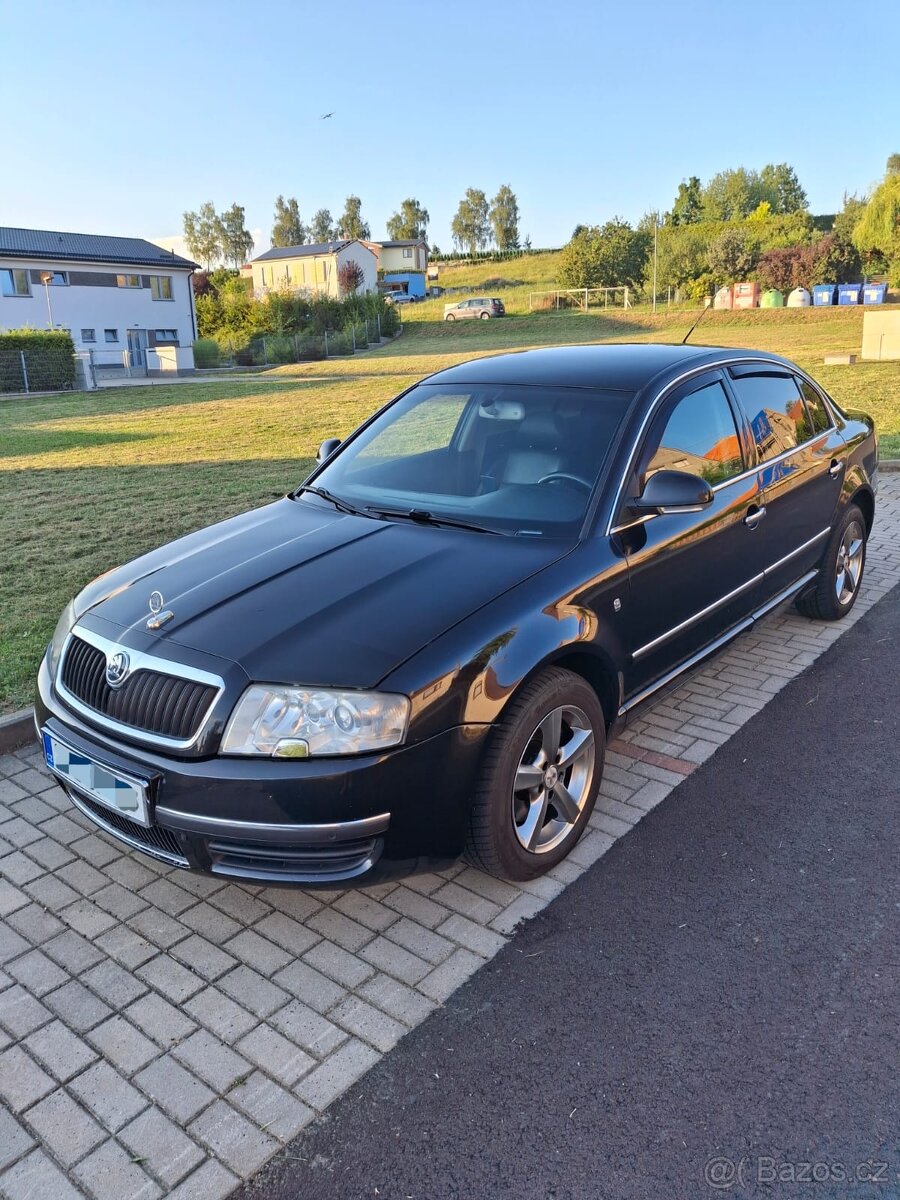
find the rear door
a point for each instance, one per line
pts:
(692, 575)
(802, 459)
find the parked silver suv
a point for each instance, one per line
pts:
(481, 306)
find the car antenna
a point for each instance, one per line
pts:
(703, 312)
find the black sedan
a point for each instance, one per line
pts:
(422, 651)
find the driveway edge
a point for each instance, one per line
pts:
(16, 730)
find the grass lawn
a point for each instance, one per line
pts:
(90, 480)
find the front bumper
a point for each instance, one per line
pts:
(357, 820)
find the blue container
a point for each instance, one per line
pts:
(823, 295)
(874, 293)
(849, 293)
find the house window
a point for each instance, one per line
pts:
(89, 335)
(55, 278)
(407, 251)
(262, 271)
(14, 283)
(129, 281)
(166, 336)
(111, 335)
(161, 287)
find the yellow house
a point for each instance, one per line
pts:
(313, 268)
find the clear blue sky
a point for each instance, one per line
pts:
(120, 115)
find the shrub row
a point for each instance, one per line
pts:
(49, 360)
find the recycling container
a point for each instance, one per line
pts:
(823, 295)
(874, 293)
(723, 298)
(799, 298)
(771, 299)
(849, 293)
(746, 295)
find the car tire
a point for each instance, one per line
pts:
(835, 590)
(485, 316)
(521, 833)
(449, 317)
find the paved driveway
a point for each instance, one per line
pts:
(163, 1033)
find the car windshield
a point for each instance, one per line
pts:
(511, 459)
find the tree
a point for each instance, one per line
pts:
(351, 277)
(605, 257)
(731, 195)
(237, 242)
(350, 223)
(878, 228)
(288, 229)
(504, 218)
(893, 165)
(688, 206)
(204, 234)
(410, 223)
(322, 227)
(733, 254)
(470, 227)
(782, 188)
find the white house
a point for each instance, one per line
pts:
(113, 294)
(401, 256)
(313, 268)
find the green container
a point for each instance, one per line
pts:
(771, 299)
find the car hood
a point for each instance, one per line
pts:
(294, 592)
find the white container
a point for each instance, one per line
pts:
(799, 298)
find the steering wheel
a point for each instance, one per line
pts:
(565, 477)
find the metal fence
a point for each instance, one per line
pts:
(583, 298)
(267, 350)
(43, 370)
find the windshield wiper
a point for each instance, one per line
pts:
(423, 517)
(339, 504)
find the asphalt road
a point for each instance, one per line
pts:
(714, 1003)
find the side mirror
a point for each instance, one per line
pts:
(327, 448)
(674, 492)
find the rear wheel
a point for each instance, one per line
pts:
(835, 590)
(540, 778)
(485, 316)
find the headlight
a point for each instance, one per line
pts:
(62, 631)
(295, 722)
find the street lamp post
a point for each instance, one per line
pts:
(46, 276)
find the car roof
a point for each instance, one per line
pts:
(620, 366)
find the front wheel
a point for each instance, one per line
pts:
(540, 778)
(449, 317)
(835, 590)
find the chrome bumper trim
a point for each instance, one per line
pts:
(258, 831)
(173, 860)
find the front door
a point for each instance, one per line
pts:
(137, 344)
(692, 575)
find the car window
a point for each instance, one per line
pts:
(819, 415)
(699, 436)
(776, 410)
(517, 459)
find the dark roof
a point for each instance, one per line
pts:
(620, 366)
(86, 247)
(403, 242)
(302, 251)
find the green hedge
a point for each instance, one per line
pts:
(49, 361)
(206, 353)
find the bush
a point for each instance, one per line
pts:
(206, 353)
(339, 344)
(310, 349)
(49, 360)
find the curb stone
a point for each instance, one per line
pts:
(16, 730)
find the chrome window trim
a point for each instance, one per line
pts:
(333, 832)
(140, 660)
(667, 391)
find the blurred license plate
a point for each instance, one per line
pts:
(118, 792)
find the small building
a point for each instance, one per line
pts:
(119, 297)
(313, 268)
(402, 265)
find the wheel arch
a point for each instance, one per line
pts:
(864, 500)
(594, 667)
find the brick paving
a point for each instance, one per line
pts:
(165, 1034)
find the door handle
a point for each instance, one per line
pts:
(754, 516)
(836, 467)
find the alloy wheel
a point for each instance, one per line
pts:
(849, 563)
(553, 779)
